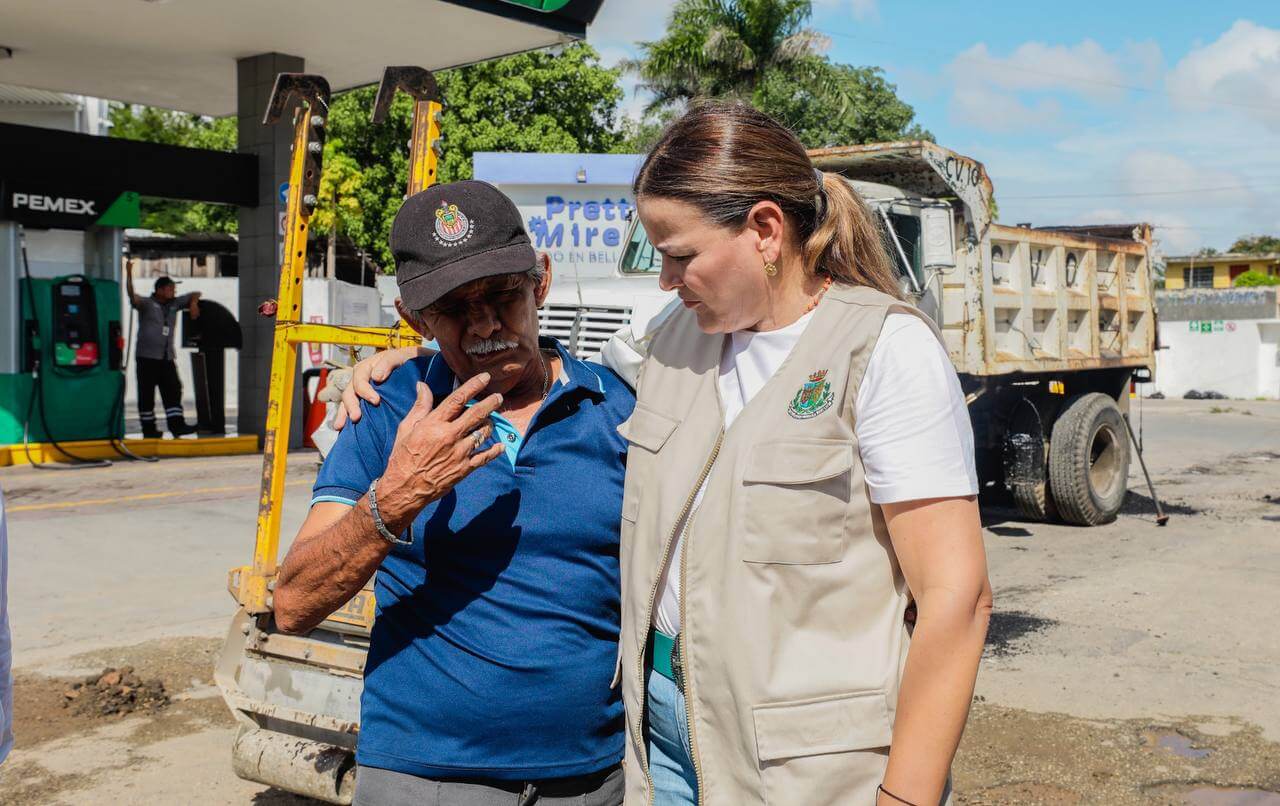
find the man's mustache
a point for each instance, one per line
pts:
(490, 346)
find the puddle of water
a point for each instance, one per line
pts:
(1175, 743)
(1228, 796)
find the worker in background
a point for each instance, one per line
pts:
(155, 356)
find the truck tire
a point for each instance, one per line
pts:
(1025, 463)
(1034, 501)
(1089, 460)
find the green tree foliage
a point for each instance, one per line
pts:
(727, 48)
(1252, 279)
(637, 135)
(542, 101)
(868, 108)
(178, 129)
(760, 51)
(529, 102)
(1256, 244)
(341, 180)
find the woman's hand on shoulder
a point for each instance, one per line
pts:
(374, 369)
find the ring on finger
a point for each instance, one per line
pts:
(477, 438)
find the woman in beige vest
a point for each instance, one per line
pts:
(800, 472)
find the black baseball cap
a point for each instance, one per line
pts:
(161, 282)
(448, 235)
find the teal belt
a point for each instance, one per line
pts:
(664, 657)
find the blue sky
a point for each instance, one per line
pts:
(1082, 112)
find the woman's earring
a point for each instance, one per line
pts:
(770, 268)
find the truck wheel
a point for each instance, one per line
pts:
(1034, 501)
(1025, 473)
(1089, 460)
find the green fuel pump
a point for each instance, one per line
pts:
(72, 353)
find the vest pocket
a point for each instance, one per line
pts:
(827, 750)
(795, 501)
(647, 428)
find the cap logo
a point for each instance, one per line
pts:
(452, 227)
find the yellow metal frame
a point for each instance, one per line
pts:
(424, 148)
(251, 585)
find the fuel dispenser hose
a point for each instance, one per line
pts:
(37, 395)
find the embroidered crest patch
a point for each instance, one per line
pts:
(813, 398)
(453, 228)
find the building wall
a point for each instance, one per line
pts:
(1220, 341)
(77, 113)
(1173, 278)
(1235, 357)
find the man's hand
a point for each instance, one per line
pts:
(338, 549)
(435, 448)
(374, 369)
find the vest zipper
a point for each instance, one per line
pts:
(687, 674)
(648, 625)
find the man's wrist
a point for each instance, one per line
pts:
(392, 533)
(396, 503)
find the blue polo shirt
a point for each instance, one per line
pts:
(497, 629)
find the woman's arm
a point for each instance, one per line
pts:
(938, 542)
(374, 369)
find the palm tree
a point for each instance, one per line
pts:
(725, 48)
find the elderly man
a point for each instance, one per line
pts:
(485, 491)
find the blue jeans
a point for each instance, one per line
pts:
(675, 783)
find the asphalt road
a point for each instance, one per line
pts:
(1105, 642)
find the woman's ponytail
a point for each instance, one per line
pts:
(723, 158)
(846, 242)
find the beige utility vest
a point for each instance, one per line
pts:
(792, 600)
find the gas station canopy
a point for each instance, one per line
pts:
(181, 54)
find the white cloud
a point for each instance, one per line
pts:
(1084, 68)
(990, 89)
(1195, 155)
(1238, 71)
(1149, 171)
(990, 110)
(862, 9)
(622, 23)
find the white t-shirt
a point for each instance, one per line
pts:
(913, 429)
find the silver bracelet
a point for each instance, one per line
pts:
(377, 519)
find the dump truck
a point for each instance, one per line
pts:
(1047, 326)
